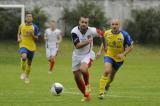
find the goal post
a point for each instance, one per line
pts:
(16, 6)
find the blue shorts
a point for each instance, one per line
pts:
(29, 53)
(115, 65)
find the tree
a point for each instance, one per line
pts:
(145, 25)
(10, 20)
(89, 8)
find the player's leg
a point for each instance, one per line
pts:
(30, 56)
(51, 63)
(105, 79)
(86, 75)
(23, 53)
(111, 76)
(77, 76)
(116, 66)
(52, 58)
(81, 85)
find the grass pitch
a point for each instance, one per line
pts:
(136, 84)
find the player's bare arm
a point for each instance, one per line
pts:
(60, 38)
(45, 37)
(127, 50)
(19, 35)
(84, 43)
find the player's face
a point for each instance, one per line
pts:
(29, 18)
(53, 24)
(83, 23)
(115, 25)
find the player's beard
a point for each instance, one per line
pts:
(83, 29)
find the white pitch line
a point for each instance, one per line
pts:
(110, 95)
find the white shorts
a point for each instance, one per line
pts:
(78, 59)
(51, 52)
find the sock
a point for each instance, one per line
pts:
(103, 82)
(28, 70)
(51, 65)
(81, 86)
(23, 65)
(86, 77)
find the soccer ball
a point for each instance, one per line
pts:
(56, 88)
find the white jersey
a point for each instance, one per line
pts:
(52, 38)
(78, 36)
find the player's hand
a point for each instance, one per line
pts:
(30, 32)
(120, 55)
(19, 39)
(98, 55)
(90, 40)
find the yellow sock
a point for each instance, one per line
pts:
(103, 81)
(28, 70)
(23, 65)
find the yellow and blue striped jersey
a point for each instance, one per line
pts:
(27, 39)
(116, 44)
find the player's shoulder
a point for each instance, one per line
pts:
(107, 32)
(58, 30)
(21, 25)
(34, 25)
(75, 29)
(124, 33)
(47, 30)
(91, 28)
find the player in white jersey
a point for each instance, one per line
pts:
(53, 37)
(83, 56)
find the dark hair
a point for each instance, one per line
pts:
(84, 16)
(28, 12)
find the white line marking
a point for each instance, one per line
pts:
(111, 95)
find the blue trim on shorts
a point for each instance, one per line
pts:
(30, 54)
(115, 65)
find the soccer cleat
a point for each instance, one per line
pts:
(49, 72)
(27, 80)
(101, 96)
(23, 76)
(88, 88)
(86, 98)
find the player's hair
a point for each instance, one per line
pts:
(53, 20)
(84, 16)
(28, 12)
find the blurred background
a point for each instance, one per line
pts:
(141, 18)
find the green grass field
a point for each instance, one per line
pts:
(136, 84)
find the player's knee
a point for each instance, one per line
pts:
(24, 57)
(83, 69)
(107, 72)
(29, 63)
(52, 59)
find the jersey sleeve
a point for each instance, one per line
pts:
(75, 38)
(127, 38)
(36, 30)
(96, 32)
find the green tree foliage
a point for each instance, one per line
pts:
(87, 8)
(9, 22)
(39, 17)
(145, 26)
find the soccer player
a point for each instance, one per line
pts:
(27, 33)
(118, 45)
(53, 37)
(83, 56)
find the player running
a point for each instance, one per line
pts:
(27, 33)
(83, 56)
(118, 45)
(53, 37)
